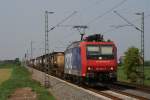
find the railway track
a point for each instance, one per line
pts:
(118, 91)
(113, 91)
(134, 86)
(112, 95)
(128, 94)
(132, 91)
(116, 94)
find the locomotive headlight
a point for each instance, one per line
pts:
(111, 68)
(89, 68)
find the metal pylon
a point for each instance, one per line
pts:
(46, 77)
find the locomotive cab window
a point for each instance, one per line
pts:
(100, 52)
(106, 50)
(93, 50)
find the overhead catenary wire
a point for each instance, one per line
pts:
(77, 11)
(62, 21)
(127, 21)
(114, 7)
(116, 28)
(92, 5)
(108, 11)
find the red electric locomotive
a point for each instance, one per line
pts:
(91, 59)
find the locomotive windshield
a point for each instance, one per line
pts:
(106, 50)
(100, 52)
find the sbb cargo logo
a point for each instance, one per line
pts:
(68, 60)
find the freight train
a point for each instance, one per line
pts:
(90, 60)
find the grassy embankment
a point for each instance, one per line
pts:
(19, 78)
(122, 76)
(5, 74)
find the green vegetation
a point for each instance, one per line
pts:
(21, 78)
(147, 63)
(5, 74)
(147, 75)
(123, 77)
(131, 61)
(129, 70)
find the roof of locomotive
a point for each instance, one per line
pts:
(73, 44)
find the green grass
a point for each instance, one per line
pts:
(5, 74)
(22, 78)
(147, 76)
(122, 76)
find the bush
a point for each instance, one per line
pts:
(131, 62)
(133, 77)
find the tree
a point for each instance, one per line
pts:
(147, 63)
(131, 62)
(17, 61)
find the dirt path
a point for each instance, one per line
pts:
(23, 94)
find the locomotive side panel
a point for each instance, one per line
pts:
(73, 61)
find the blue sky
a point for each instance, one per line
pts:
(23, 20)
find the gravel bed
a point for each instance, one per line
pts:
(63, 90)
